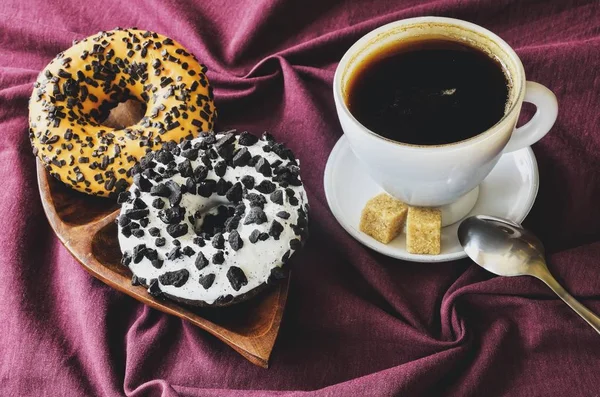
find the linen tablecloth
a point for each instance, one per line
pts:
(357, 323)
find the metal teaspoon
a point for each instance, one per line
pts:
(504, 248)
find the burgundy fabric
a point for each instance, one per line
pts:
(357, 323)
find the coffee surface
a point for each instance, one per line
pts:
(428, 92)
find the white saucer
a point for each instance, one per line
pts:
(508, 192)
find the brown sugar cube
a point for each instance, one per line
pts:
(423, 230)
(383, 218)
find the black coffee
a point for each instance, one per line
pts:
(428, 92)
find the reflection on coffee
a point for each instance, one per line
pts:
(428, 92)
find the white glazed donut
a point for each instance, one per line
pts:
(212, 220)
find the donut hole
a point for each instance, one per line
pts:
(212, 221)
(124, 114)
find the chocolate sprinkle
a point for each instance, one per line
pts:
(191, 154)
(139, 233)
(232, 223)
(206, 188)
(190, 185)
(124, 220)
(201, 261)
(154, 289)
(138, 253)
(123, 197)
(256, 200)
(263, 237)
(185, 168)
(240, 209)
(218, 241)
(235, 241)
(252, 162)
(241, 158)
(234, 195)
(137, 213)
(151, 254)
(160, 190)
(277, 274)
(226, 139)
(218, 258)
(200, 173)
(174, 253)
(263, 166)
(283, 214)
(142, 183)
(236, 277)
(277, 197)
(158, 203)
(265, 187)
(220, 168)
(157, 263)
(176, 278)
(295, 244)
(135, 280)
(175, 196)
(126, 259)
(177, 230)
(222, 300)
(164, 156)
(188, 251)
(126, 231)
(247, 139)
(256, 215)
(172, 215)
(207, 281)
(254, 236)
(222, 187)
(139, 204)
(247, 181)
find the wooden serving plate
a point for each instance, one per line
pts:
(85, 225)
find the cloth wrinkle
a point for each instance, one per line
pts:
(356, 322)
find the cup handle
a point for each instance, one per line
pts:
(542, 120)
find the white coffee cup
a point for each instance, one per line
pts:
(440, 175)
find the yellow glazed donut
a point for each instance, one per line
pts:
(75, 92)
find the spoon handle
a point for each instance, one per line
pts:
(583, 311)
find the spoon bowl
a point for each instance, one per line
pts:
(500, 246)
(504, 248)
